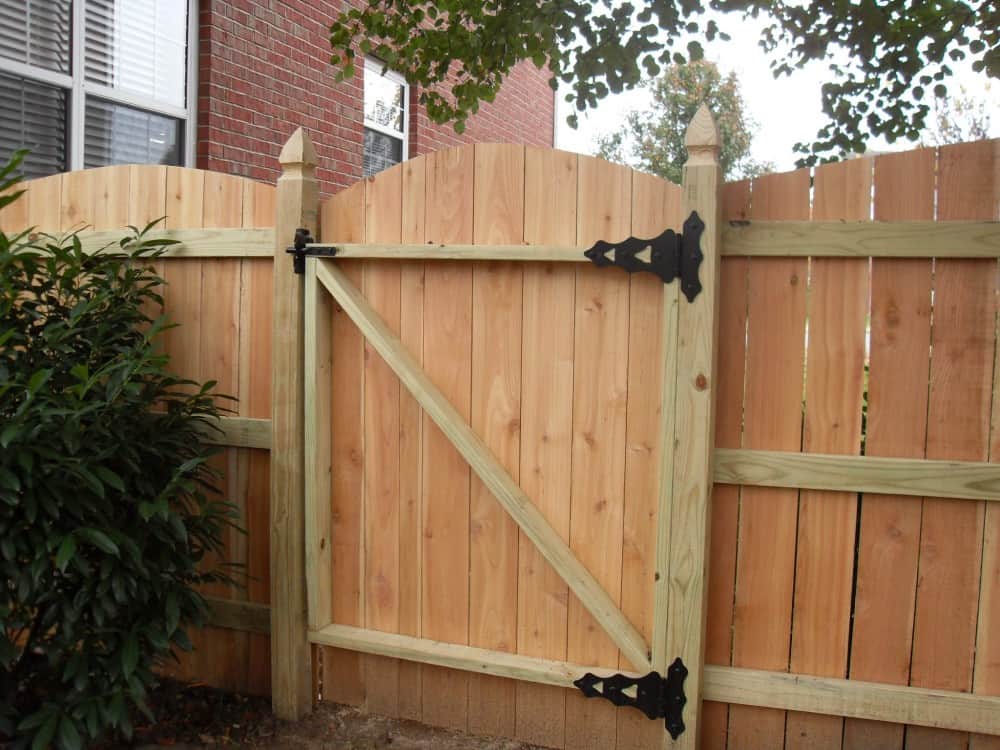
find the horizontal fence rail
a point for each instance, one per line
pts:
(913, 239)
(916, 477)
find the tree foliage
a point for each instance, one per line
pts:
(886, 57)
(107, 511)
(961, 116)
(653, 140)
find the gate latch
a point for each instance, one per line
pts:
(305, 245)
(669, 255)
(657, 697)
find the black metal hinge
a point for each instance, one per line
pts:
(657, 697)
(304, 246)
(669, 255)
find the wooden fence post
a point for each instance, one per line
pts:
(688, 440)
(297, 206)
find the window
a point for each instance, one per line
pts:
(88, 83)
(386, 118)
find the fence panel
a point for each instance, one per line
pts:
(224, 308)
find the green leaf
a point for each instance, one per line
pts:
(99, 539)
(38, 379)
(66, 551)
(9, 433)
(109, 477)
(69, 737)
(43, 738)
(130, 655)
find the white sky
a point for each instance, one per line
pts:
(787, 110)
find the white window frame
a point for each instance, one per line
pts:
(379, 68)
(79, 87)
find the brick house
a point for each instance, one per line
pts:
(220, 85)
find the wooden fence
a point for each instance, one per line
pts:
(854, 587)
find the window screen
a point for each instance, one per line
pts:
(381, 152)
(138, 47)
(36, 32)
(33, 116)
(116, 134)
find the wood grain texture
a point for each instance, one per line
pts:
(856, 238)
(728, 434)
(897, 426)
(496, 417)
(655, 207)
(411, 438)
(599, 403)
(986, 676)
(773, 420)
(961, 382)
(381, 285)
(546, 433)
(342, 217)
(445, 502)
(835, 368)
(291, 672)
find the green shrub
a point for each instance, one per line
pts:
(107, 504)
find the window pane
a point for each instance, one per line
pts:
(116, 134)
(33, 115)
(36, 32)
(383, 101)
(138, 46)
(381, 152)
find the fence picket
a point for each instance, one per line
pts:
(773, 420)
(550, 205)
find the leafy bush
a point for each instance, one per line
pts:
(107, 504)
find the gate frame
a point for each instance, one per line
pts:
(679, 586)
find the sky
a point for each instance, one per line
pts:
(787, 110)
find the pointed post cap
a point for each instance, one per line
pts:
(702, 137)
(298, 150)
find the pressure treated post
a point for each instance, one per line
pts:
(686, 487)
(297, 205)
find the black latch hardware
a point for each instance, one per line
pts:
(304, 246)
(657, 697)
(670, 255)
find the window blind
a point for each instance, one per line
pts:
(139, 47)
(381, 152)
(36, 32)
(116, 134)
(33, 116)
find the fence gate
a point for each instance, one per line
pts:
(507, 442)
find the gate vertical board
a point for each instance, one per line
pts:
(655, 205)
(730, 369)
(498, 205)
(381, 284)
(291, 673)
(546, 438)
(835, 366)
(343, 220)
(897, 426)
(773, 420)
(598, 470)
(411, 436)
(987, 668)
(950, 564)
(447, 359)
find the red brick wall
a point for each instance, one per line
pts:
(264, 70)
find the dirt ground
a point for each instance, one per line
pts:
(194, 716)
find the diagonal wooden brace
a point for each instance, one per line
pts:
(485, 465)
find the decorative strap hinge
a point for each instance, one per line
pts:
(657, 697)
(669, 256)
(305, 246)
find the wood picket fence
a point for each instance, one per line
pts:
(853, 589)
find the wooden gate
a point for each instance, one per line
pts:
(543, 373)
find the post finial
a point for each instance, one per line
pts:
(298, 150)
(702, 137)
